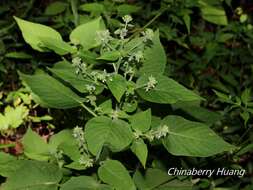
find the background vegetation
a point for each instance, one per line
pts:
(54, 112)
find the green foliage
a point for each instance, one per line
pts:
(112, 101)
(192, 138)
(85, 34)
(36, 176)
(103, 131)
(167, 91)
(51, 93)
(114, 173)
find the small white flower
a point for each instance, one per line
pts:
(102, 76)
(76, 61)
(115, 114)
(91, 99)
(87, 162)
(90, 88)
(138, 56)
(148, 35)
(152, 82)
(103, 36)
(78, 132)
(162, 131)
(127, 19)
(137, 134)
(122, 32)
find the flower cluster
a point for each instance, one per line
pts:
(80, 66)
(152, 82)
(103, 37)
(122, 32)
(158, 133)
(86, 161)
(148, 35)
(78, 134)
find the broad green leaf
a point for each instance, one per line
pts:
(167, 91)
(187, 21)
(34, 175)
(126, 9)
(58, 46)
(70, 148)
(115, 174)
(96, 8)
(86, 34)
(8, 164)
(13, 117)
(103, 131)
(106, 107)
(51, 92)
(141, 121)
(2, 68)
(18, 55)
(110, 56)
(117, 86)
(55, 8)
(83, 183)
(199, 113)
(66, 72)
(154, 57)
(57, 139)
(246, 96)
(34, 146)
(213, 14)
(33, 32)
(153, 178)
(139, 148)
(188, 138)
(176, 184)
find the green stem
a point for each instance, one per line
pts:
(151, 21)
(75, 11)
(89, 110)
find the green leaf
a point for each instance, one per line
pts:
(8, 164)
(34, 146)
(139, 148)
(176, 184)
(96, 8)
(167, 91)
(110, 56)
(86, 34)
(58, 46)
(213, 14)
(141, 121)
(66, 72)
(103, 131)
(199, 113)
(153, 178)
(187, 21)
(13, 117)
(126, 9)
(154, 58)
(57, 139)
(51, 92)
(33, 32)
(115, 174)
(188, 138)
(56, 8)
(246, 96)
(83, 183)
(117, 85)
(18, 55)
(34, 175)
